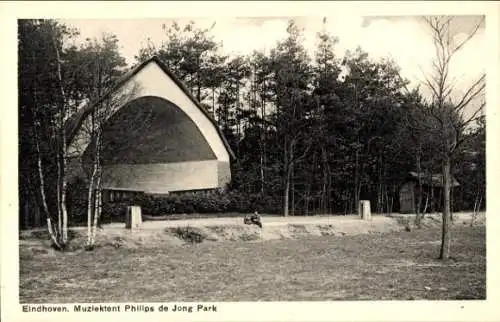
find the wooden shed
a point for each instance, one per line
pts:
(432, 186)
(157, 141)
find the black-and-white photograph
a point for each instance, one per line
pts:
(334, 157)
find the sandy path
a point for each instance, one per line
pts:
(350, 221)
(344, 221)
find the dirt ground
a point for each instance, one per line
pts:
(388, 266)
(178, 232)
(273, 221)
(295, 258)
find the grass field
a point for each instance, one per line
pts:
(389, 266)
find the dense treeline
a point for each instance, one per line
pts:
(313, 134)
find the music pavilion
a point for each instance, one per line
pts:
(157, 140)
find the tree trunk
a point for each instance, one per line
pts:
(64, 187)
(213, 102)
(432, 201)
(391, 202)
(445, 233)
(90, 206)
(61, 162)
(347, 204)
(91, 202)
(329, 198)
(324, 159)
(306, 202)
(380, 194)
(97, 207)
(309, 184)
(58, 192)
(97, 191)
(36, 124)
(262, 179)
(424, 211)
(292, 188)
(451, 201)
(286, 166)
(477, 206)
(287, 191)
(356, 181)
(418, 217)
(386, 193)
(380, 198)
(198, 92)
(53, 234)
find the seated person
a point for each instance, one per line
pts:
(253, 219)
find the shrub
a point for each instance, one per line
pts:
(76, 202)
(196, 202)
(188, 234)
(186, 203)
(113, 212)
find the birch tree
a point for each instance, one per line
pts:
(102, 110)
(454, 112)
(103, 66)
(43, 83)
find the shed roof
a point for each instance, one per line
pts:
(433, 180)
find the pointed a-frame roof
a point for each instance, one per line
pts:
(74, 123)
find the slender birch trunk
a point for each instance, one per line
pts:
(477, 206)
(58, 185)
(97, 190)
(90, 206)
(64, 187)
(425, 206)
(91, 186)
(54, 236)
(213, 102)
(61, 164)
(43, 197)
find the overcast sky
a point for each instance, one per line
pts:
(405, 39)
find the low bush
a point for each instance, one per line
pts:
(113, 212)
(207, 202)
(212, 202)
(76, 202)
(202, 202)
(188, 234)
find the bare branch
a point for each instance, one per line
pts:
(467, 97)
(475, 116)
(429, 84)
(469, 37)
(466, 137)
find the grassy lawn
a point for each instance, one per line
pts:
(401, 266)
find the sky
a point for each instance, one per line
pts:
(405, 39)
